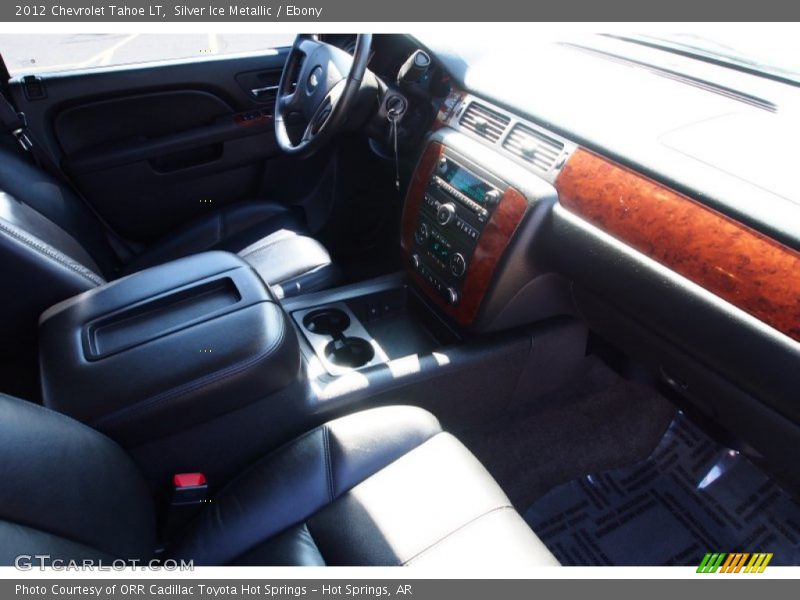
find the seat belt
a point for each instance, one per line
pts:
(14, 123)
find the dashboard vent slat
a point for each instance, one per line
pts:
(533, 147)
(485, 122)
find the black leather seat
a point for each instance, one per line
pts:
(54, 243)
(381, 487)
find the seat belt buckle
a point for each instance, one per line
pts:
(189, 489)
(20, 133)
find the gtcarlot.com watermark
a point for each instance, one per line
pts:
(29, 562)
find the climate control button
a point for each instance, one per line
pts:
(458, 265)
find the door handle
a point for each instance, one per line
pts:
(269, 90)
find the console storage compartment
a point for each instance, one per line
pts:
(166, 348)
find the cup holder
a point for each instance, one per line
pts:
(338, 338)
(349, 352)
(327, 321)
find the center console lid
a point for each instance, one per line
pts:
(166, 348)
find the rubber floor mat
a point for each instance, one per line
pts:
(690, 497)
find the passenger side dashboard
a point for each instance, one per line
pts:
(712, 305)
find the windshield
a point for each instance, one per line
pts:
(777, 57)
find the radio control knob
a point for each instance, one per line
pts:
(421, 234)
(452, 295)
(491, 197)
(415, 261)
(458, 264)
(442, 166)
(446, 213)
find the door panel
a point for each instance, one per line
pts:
(142, 116)
(153, 146)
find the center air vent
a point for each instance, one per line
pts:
(533, 147)
(485, 122)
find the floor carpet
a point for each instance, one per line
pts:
(597, 422)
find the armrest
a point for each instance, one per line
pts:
(166, 348)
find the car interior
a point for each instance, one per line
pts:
(385, 299)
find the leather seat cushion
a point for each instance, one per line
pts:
(266, 234)
(380, 487)
(68, 491)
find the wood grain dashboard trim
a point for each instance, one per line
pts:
(757, 274)
(492, 243)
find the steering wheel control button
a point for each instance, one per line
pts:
(446, 213)
(458, 265)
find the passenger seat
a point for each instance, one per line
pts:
(381, 487)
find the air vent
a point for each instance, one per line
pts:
(485, 122)
(533, 147)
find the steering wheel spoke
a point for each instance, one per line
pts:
(287, 102)
(323, 111)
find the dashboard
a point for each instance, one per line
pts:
(513, 216)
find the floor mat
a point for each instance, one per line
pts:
(597, 422)
(690, 497)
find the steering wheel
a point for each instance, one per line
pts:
(321, 82)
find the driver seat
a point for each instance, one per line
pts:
(52, 246)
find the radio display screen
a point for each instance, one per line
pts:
(466, 183)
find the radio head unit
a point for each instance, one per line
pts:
(458, 201)
(469, 220)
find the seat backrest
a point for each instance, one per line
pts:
(55, 201)
(40, 264)
(51, 247)
(68, 491)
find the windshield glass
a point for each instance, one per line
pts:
(778, 57)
